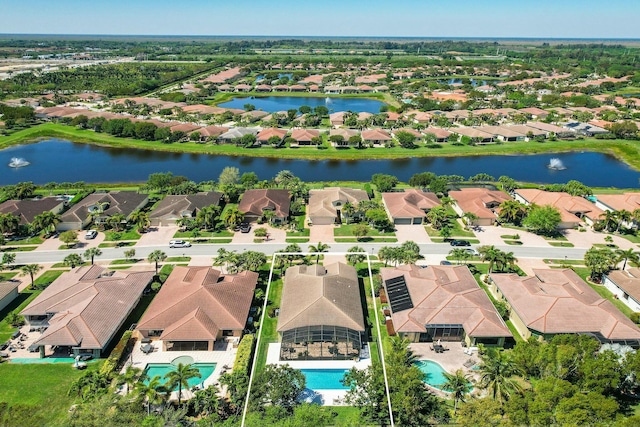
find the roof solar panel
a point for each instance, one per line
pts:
(398, 294)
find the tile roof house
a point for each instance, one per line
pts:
(305, 136)
(198, 306)
(612, 202)
(441, 135)
(375, 136)
(625, 285)
(265, 134)
(344, 133)
(558, 301)
(480, 201)
(255, 202)
(441, 303)
(573, 209)
(321, 314)
(325, 205)
(8, 292)
(337, 118)
(27, 210)
(85, 307)
(409, 206)
(122, 202)
(172, 208)
(236, 133)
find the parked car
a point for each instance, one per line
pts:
(472, 251)
(179, 244)
(445, 262)
(90, 234)
(245, 228)
(460, 243)
(86, 356)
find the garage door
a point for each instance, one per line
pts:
(402, 221)
(417, 220)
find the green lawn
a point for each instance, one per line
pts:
(36, 240)
(456, 231)
(110, 245)
(562, 244)
(19, 248)
(441, 240)
(178, 259)
(513, 242)
(47, 277)
(203, 234)
(268, 333)
(347, 230)
(110, 236)
(41, 387)
(296, 240)
(124, 261)
(7, 276)
(584, 273)
(366, 239)
(23, 299)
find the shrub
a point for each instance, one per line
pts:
(635, 317)
(244, 354)
(115, 358)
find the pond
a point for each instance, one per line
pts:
(65, 161)
(272, 104)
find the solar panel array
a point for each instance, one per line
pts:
(398, 294)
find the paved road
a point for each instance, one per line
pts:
(269, 248)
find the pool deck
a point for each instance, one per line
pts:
(321, 397)
(451, 360)
(223, 355)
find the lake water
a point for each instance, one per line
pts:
(272, 104)
(64, 161)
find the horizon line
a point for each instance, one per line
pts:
(285, 36)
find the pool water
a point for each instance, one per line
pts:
(161, 369)
(28, 360)
(434, 373)
(325, 379)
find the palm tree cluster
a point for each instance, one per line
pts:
(407, 253)
(500, 259)
(614, 221)
(499, 375)
(512, 211)
(234, 262)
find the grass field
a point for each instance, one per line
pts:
(23, 299)
(627, 151)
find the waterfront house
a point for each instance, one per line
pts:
(326, 205)
(480, 201)
(99, 207)
(409, 206)
(8, 292)
(625, 285)
(26, 210)
(573, 209)
(255, 203)
(175, 207)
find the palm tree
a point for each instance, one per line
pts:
(30, 270)
(156, 257)
(401, 352)
(627, 255)
(130, 377)
(318, 249)
(224, 258)
(232, 216)
(437, 217)
(153, 393)
(140, 219)
(512, 211)
(469, 218)
(624, 216)
(610, 220)
(46, 221)
(91, 253)
(356, 255)
(459, 254)
(348, 210)
(459, 385)
(491, 254)
(8, 223)
(206, 402)
(117, 221)
(180, 376)
(497, 372)
(506, 259)
(73, 260)
(206, 217)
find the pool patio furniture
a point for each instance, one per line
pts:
(146, 349)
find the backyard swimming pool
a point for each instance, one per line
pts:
(434, 373)
(161, 369)
(325, 379)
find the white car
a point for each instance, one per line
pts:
(179, 244)
(90, 234)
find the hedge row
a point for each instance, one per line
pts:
(244, 354)
(115, 357)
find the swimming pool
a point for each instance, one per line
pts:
(325, 379)
(161, 369)
(433, 373)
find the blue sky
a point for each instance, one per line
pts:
(401, 18)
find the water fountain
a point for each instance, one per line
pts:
(18, 162)
(556, 164)
(327, 100)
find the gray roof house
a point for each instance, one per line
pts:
(80, 214)
(325, 205)
(173, 208)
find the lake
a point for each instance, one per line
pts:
(64, 161)
(272, 104)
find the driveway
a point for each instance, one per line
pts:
(415, 233)
(586, 239)
(158, 236)
(276, 235)
(321, 233)
(53, 243)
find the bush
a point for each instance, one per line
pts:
(243, 356)
(635, 317)
(112, 363)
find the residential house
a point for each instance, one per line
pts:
(8, 292)
(441, 303)
(255, 203)
(305, 136)
(504, 133)
(375, 136)
(326, 205)
(409, 206)
(337, 119)
(573, 209)
(480, 201)
(26, 210)
(173, 208)
(99, 207)
(346, 134)
(266, 134)
(197, 307)
(625, 285)
(550, 129)
(441, 135)
(321, 314)
(585, 129)
(629, 202)
(557, 301)
(85, 307)
(476, 134)
(235, 134)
